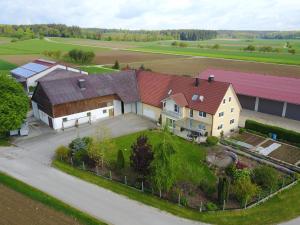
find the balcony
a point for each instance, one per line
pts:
(193, 125)
(172, 114)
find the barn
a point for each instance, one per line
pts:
(279, 96)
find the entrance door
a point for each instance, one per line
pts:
(50, 122)
(111, 112)
(122, 107)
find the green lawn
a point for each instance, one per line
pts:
(37, 46)
(280, 208)
(47, 200)
(5, 67)
(4, 141)
(188, 158)
(97, 69)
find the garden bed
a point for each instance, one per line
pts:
(249, 138)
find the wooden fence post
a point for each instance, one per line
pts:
(224, 205)
(200, 209)
(125, 180)
(83, 166)
(97, 170)
(178, 198)
(142, 186)
(110, 176)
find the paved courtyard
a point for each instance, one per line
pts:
(30, 162)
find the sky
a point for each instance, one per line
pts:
(156, 14)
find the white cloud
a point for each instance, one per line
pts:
(157, 14)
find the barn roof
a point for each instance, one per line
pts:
(283, 89)
(65, 90)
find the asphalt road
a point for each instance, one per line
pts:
(30, 161)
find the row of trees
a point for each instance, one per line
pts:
(61, 30)
(252, 48)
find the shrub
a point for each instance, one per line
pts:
(62, 153)
(241, 174)
(80, 56)
(241, 130)
(78, 144)
(215, 46)
(223, 190)
(183, 44)
(230, 170)
(116, 66)
(174, 43)
(292, 51)
(81, 156)
(120, 160)
(209, 188)
(211, 206)
(244, 190)
(283, 134)
(183, 201)
(250, 48)
(212, 140)
(266, 177)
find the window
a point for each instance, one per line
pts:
(88, 114)
(220, 126)
(221, 114)
(232, 109)
(224, 101)
(191, 113)
(104, 111)
(202, 114)
(232, 121)
(201, 126)
(176, 108)
(65, 119)
(170, 123)
(229, 99)
(164, 104)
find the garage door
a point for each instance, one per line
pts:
(83, 120)
(149, 113)
(270, 107)
(247, 102)
(292, 111)
(69, 123)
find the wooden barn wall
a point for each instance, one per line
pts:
(42, 101)
(82, 106)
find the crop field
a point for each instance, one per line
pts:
(168, 59)
(16, 209)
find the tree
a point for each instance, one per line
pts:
(292, 51)
(162, 170)
(14, 104)
(62, 153)
(244, 190)
(265, 176)
(141, 155)
(120, 160)
(250, 48)
(223, 190)
(215, 46)
(116, 66)
(100, 146)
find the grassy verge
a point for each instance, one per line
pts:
(4, 141)
(279, 208)
(47, 200)
(97, 69)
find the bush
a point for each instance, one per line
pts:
(78, 144)
(183, 44)
(183, 201)
(250, 48)
(80, 56)
(62, 153)
(209, 188)
(244, 190)
(241, 130)
(212, 140)
(120, 160)
(116, 66)
(231, 170)
(292, 51)
(283, 134)
(266, 177)
(211, 206)
(174, 43)
(81, 156)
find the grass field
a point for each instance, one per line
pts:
(5, 67)
(52, 207)
(97, 69)
(280, 208)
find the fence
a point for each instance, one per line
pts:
(139, 185)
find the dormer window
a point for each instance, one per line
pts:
(176, 108)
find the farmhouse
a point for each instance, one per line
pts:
(274, 95)
(189, 106)
(29, 73)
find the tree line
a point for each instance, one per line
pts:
(61, 30)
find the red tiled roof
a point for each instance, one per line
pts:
(264, 86)
(180, 99)
(154, 87)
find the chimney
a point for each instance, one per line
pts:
(81, 83)
(211, 78)
(196, 82)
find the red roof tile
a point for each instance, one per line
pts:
(154, 87)
(180, 99)
(264, 86)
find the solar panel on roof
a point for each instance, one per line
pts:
(23, 72)
(35, 67)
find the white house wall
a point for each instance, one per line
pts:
(82, 117)
(117, 107)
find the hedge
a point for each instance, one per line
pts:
(283, 134)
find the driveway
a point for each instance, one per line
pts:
(30, 161)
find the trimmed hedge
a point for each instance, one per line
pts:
(283, 134)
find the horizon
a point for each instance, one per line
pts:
(260, 15)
